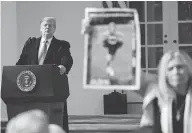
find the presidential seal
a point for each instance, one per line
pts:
(26, 81)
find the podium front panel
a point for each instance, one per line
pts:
(50, 85)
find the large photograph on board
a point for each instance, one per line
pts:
(112, 49)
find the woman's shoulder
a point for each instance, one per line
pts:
(151, 93)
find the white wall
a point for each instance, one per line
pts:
(69, 16)
(9, 46)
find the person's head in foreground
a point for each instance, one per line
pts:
(33, 121)
(53, 128)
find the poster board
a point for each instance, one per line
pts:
(112, 52)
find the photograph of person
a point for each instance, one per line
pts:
(111, 57)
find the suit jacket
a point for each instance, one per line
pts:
(58, 53)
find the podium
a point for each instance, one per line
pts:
(26, 87)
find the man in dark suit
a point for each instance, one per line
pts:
(48, 50)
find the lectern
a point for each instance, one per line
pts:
(26, 87)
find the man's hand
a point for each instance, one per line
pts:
(62, 69)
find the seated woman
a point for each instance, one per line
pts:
(167, 104)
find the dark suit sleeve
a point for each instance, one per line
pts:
(66, 59)
(23, 57)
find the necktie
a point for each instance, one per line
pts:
(43, 53)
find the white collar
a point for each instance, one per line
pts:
(49, 40)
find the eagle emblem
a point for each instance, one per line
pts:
(26, 81)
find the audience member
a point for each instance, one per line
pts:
(167, 104)
(32, 121)
(53, 128)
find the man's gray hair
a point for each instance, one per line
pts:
(49, 19)
(54, 128)
(32, 121)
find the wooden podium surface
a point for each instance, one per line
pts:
(50, 85)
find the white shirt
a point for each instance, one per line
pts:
(42, 44)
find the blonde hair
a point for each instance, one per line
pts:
(49, 19)
(165, 91)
